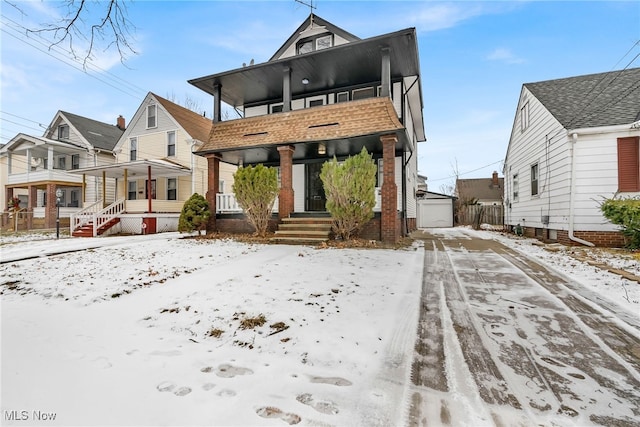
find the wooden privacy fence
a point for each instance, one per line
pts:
(480, 214)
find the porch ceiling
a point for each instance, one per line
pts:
(138, 169)
(349, 64)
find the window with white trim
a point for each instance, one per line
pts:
(63, 132)
(172, 189)
(534, 179)
(171, 143)
(342, 97)
(132, 190)
(151, 116)
(133, 149)
(75, 161)
(515, 187)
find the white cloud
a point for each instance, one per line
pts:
(435, 17)
(504, 55)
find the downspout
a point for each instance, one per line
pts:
(572, 143)
(404, 193)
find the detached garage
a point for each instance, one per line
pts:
(435, 210)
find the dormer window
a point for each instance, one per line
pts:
(63, 132)
(322, 41)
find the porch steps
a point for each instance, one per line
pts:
(87, 229)
(303, 230)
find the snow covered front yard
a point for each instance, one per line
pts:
(160, 330)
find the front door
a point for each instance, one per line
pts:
(315, 197)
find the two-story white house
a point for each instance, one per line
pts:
(324, 93)
(575, 141)
(35, 167)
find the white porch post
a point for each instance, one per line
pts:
(50, 158)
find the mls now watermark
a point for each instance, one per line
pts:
(29, 416)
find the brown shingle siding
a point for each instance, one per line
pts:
(343, 120)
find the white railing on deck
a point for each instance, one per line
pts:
(84, 216)
(107, 214)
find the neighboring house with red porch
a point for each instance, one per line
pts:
(155, 171)
(324, 93)
(34, 167)
(575, 141)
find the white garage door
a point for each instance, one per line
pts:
(433, 213)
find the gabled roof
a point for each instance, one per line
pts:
(319, 22)
(480, 188)
(197, 126)
(100, 135)
(594, 100)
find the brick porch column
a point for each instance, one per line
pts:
(50, 211)
(285, 198)
(213, 185)
(32, 203)
(389, 191)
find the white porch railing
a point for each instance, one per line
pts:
(227, 203)
(84, 216)
(107, 214)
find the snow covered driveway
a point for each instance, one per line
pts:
(505, 341)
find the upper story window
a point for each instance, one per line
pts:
(63, 132)
(75, 161)
(171, 143)
(133, 149)
(151, 116)
(524, 117)
(534, 179)
(342, 97)
(62, 163)
(277, 108)
(365, 92)
(319, 42)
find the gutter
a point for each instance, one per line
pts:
(572, 142)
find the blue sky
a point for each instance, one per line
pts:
(474, 56)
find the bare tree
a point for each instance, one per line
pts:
(101, 24)
(189, 103)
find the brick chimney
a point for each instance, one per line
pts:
(494, 179)
(121, 123)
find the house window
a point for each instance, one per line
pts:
(305, 47)
(342, 97)
(153, 189)
(133, 149)
(132, 190)
(62, 163)
(277, 108)
(45, 163)
(172, 187)
(75, 161)
(629, 164)
(316, 102)
(324, 42)
(171, 143)
(524, 117)
(221, 186)
(515, 187)
(75, 199)
(366, 92)
(63, 132)
(151, 116)
(534, 179)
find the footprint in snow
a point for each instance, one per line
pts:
(323, 406)
(230, 371)
(167, 386)
(226, 393)
(331, 380)
(208, 386)
(273, 412)
(182, 391)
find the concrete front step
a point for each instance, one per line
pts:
(303, 230)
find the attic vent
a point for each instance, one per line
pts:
(323, 125)
(255, 134)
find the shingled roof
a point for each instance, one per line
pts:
(197, 126)
(594, 100)
(480, 188)
(100, 135)
(330, 122)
